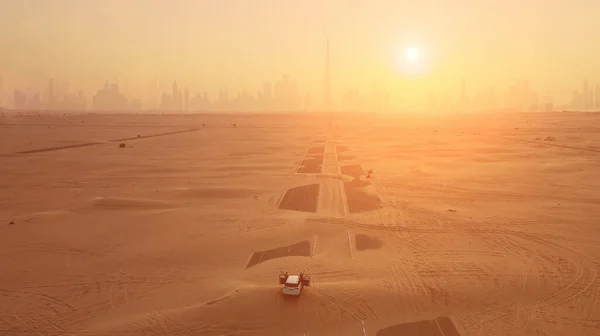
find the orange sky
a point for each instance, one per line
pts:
(239, 44)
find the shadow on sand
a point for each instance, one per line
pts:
(365, 242)
(317, 150)
(341, 149)
(301, 249)
(303, 198)
(358, 199)
(354, 170)
(311, 165)
(441, 326)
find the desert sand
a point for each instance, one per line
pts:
(468, 224)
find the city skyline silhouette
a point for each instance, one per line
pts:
(313, 167)
(284, 95)
(412, 51)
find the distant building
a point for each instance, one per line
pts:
(110, 99)
(19, 100)
(51, 95)
(186, 99)
(34, 103)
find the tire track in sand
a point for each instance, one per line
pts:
(403, 272)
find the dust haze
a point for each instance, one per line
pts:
(301, 168)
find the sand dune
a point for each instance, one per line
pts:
(468, 225)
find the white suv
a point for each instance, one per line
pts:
(293, 284)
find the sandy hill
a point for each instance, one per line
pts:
(408, 225)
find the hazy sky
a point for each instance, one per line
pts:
(241, 43)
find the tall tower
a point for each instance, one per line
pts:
(327, 83)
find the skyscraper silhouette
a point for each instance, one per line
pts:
(175, 93)
(327, 83)
(587, 96)
(186, 99)
(51, 97)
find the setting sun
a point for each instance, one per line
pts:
(411, 54)
(411, 61)
(267, 167)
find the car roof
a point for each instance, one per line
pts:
(293, 279)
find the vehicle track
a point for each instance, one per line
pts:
(88, 144)
(556, 298)
(93, 303)
(403, 276)
(505, 240)
(457, 193)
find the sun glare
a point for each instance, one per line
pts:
(412, 54)
(412, 61)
